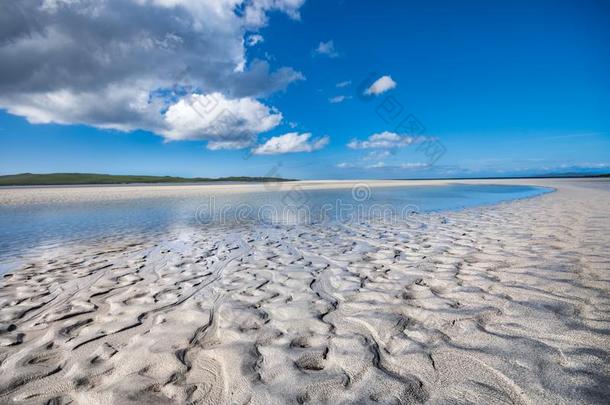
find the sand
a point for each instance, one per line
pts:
(79, 194)
(498, 304)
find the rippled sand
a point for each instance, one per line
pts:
(500, 304)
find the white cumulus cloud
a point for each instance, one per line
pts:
(290, 143)
(137, 64)
(381, 85)
(221, 120)
(328, 49)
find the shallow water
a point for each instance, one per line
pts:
(30, 226)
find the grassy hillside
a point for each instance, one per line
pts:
(30, 179)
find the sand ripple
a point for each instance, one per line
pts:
(503, 304)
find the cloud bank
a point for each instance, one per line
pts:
(387, 140)
(400, 166)
(140, 64)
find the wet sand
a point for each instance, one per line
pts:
(499, 304)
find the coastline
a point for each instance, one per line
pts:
(504, 302)
(58, 194)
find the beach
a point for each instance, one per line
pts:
(502, 303)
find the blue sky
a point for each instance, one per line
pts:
(509, 88)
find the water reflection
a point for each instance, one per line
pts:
(25, 227)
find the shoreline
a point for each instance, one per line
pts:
(57, 194)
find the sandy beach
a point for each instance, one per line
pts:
(507, 303)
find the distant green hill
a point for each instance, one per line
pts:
(30, 179)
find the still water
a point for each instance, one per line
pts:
(27, 228)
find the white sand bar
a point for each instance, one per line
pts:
(499, 304)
